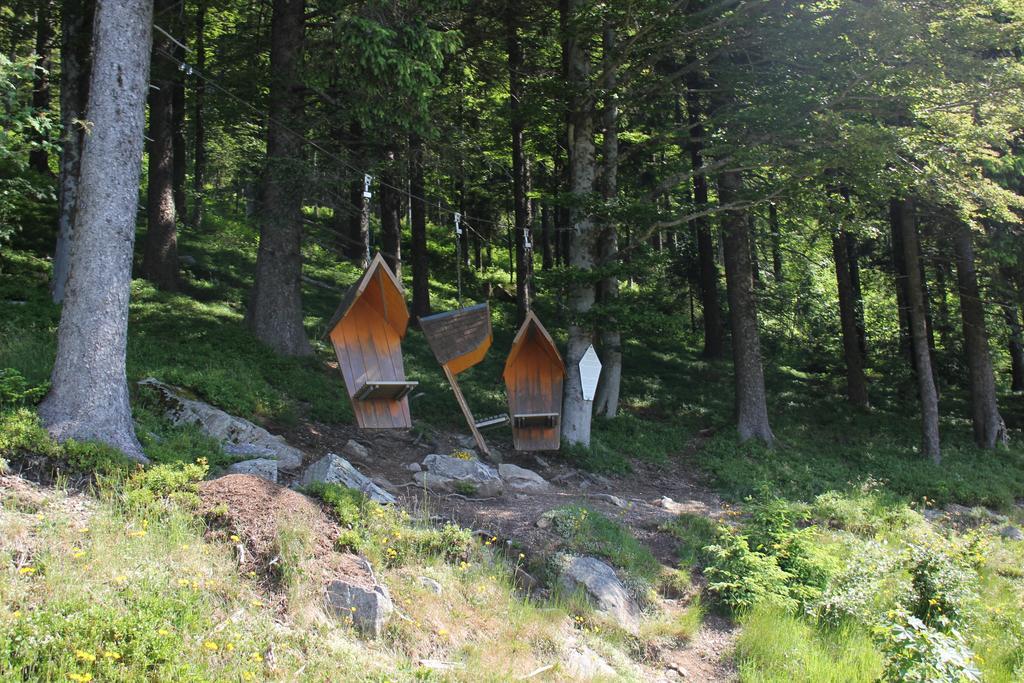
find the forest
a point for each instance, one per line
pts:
(740, 282)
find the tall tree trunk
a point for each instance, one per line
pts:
(160, 257)
(88, 399)
(751, 398)
(275, 307)
(755, 265)
(391, 217)
(577, 413)
(918, 330)
(199, 120)
(38, 157)
(942, 324)
(547, 257)
(856, 382)
(418, 228)
(76, 32)
(606, 402)
(776, 234)
(714, 343)
(853, 257)
(900, 272)
(520, 201)
(1011, 311)
(989, 428)
(178, 135)
(358, 237)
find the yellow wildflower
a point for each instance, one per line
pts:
(211, 646)
(111, 655)
(27, 571)
(248, 676)
(81, 678)
(163, 632)
(235, 538)
(85, 656)
(230, 647)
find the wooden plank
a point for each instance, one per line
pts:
(466, 412)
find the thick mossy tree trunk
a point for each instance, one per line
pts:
(856, 381)
(989, 428)
(39, 157)
(178, 136)
(160, 257)
(751, 397)
(520, 200)
(606, 402)
(76, 34)
(577, 413)
(914, 292)
(88, 399)
(418, 228)
(714, 339)
(275, 307)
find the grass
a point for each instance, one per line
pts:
(588, 532)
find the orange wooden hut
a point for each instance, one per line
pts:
(533, 375)
(367, 331)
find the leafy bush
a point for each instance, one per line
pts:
(742, 578)
(173, 483)
(918, 653)
(864, 588)
(944, 587)
(21, 434)
(15, 390)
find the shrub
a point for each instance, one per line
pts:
(944, 587)
(918, 653)
(15, 390)
(173, 483)
(742, 578)
(864, 587)
(22, 434)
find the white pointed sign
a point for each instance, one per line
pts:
(590, 371)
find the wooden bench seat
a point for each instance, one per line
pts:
(495, 421)
(535, 419)
(392, 390)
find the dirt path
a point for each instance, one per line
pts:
(637, 500)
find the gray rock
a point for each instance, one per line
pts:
(334, 469)
(356, 450)
(249, 450)
(454, 475)
(414, 467)
(431, 585)
(243, 436)
(521, 480)
(609, 498)
(385, 484)
(263, 468)
(466, 442)
(582, 663)
(1011, 533)
(368, 608)
(603, 587)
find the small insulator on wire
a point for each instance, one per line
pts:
(367, 179)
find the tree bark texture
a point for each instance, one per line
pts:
(776, 235)
(178, 135)
(989, 428)
(275, 307)
(751, 398)
(900, 273)
(520, 201)
(856, 381)
(160, 257)
(547, 256)
(577, 414)
(39, 157)
(76, 32)
(1011, 312)
(418, 228)
(199, 120)
(853, 256)
(918, 330)
(714, 340)
(88, 399)
(391, 218)
(606, 402)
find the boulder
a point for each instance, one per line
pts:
(368, 608)
(521, 480)
(264, 468)
(334, 469)
(1011, 533)
(431, 585)
(454, 475)
(414, 467)
(238, 436)
(582, 663)
(355, 450)
(609, 498)
(602, 586)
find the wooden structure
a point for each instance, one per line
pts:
(366, 332)
(533, 375)
(460, 339)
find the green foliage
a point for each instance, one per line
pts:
(918, 653)
(15, 390)
(165, 484)
(944, 585)
(741, 578)
(588, 532)
(22, 435)
(595, 458)
(693, 532)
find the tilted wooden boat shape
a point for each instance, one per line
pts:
(460, 339)
(534, 373)
(366, 332)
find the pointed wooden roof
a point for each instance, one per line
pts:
(392, 305)
(547, 344)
